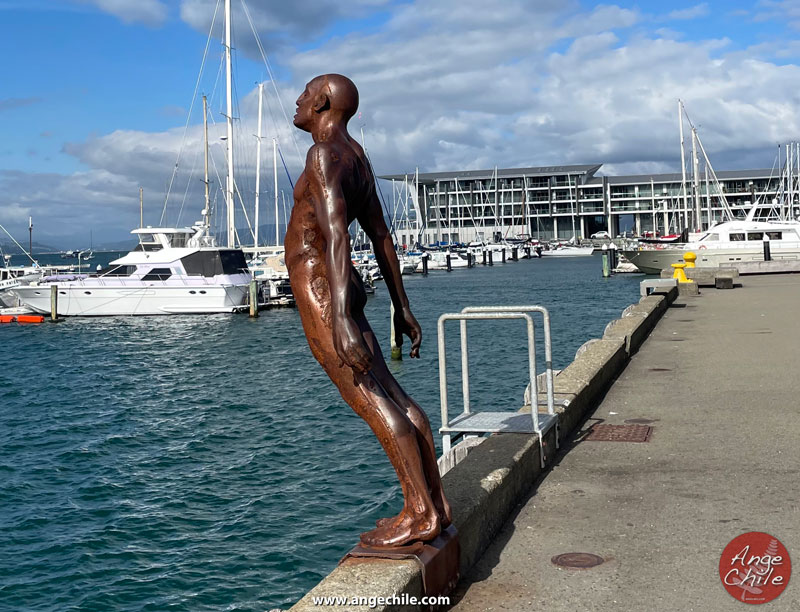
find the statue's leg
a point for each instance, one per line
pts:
(419, 519)
(421, 423)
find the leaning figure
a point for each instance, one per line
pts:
(337, 187)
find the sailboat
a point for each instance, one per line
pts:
(172, 270)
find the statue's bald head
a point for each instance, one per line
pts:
(341, 91)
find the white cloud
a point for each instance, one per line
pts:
(786, 11)
(698, 10)
(148, 12)
(14, 212)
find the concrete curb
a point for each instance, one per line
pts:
(488, 483)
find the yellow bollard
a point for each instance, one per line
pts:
(679, 273)
(690, 258)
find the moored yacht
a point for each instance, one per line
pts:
(15, 276)
(170, 271)
(727, 243)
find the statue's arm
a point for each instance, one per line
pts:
(325, 181)
(374, 226)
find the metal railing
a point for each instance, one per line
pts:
(469, 422)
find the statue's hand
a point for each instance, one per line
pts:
(350, 345)
(406, 323)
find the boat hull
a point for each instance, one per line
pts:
(88, 300)
(653, 261)
(569, 252)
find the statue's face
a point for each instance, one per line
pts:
(304, 117)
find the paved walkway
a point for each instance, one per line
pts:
(720, 376)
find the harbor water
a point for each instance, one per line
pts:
(207, 463)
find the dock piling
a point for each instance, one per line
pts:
(515, 254)
(253, 297)
(490, 259)
(54, 302)
(484, 256)
(767, 252)
(397, 351)
(424, 264)
(606, 262)
(449, 263)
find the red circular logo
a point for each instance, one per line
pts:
(755, 567)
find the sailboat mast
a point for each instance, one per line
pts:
(708, 194)
(207, 208)
(229, 197)
(275, 185)
(258, 163)
(696, 181)
(683, 167)
(572, 206)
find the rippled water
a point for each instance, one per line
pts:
(206, 463)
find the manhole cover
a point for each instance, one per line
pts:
(660, 370)
(577, 560)
(639, 421)
(619, 433)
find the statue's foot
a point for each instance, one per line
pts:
(442, 507)
(403, 530)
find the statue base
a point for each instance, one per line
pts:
(439, 560)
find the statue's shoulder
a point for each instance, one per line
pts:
(324, 158)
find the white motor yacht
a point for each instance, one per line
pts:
(15, 276)
(171, 271)
(437, 260)
(568, 251)
(727, 243)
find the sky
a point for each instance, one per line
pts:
(99, 98)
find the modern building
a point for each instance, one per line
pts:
(565, 201)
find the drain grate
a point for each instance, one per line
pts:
(620, 433)
(577, 560)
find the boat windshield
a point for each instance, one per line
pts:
(148, 242)
(178, 241)
(211, 263)
(117, 271)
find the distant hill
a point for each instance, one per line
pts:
(38, 247)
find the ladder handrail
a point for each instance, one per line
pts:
(548, 351)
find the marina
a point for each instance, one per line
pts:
(176, 488)
(556, 342)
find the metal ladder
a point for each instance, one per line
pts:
(476, 423)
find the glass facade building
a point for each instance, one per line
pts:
(564, 201)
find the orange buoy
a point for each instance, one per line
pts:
(7, 318)
(30, 319)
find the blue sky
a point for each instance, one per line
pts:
(94, 93)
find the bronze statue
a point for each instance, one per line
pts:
(336, 187)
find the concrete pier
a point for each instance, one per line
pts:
(715, 375)
(718, 378)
